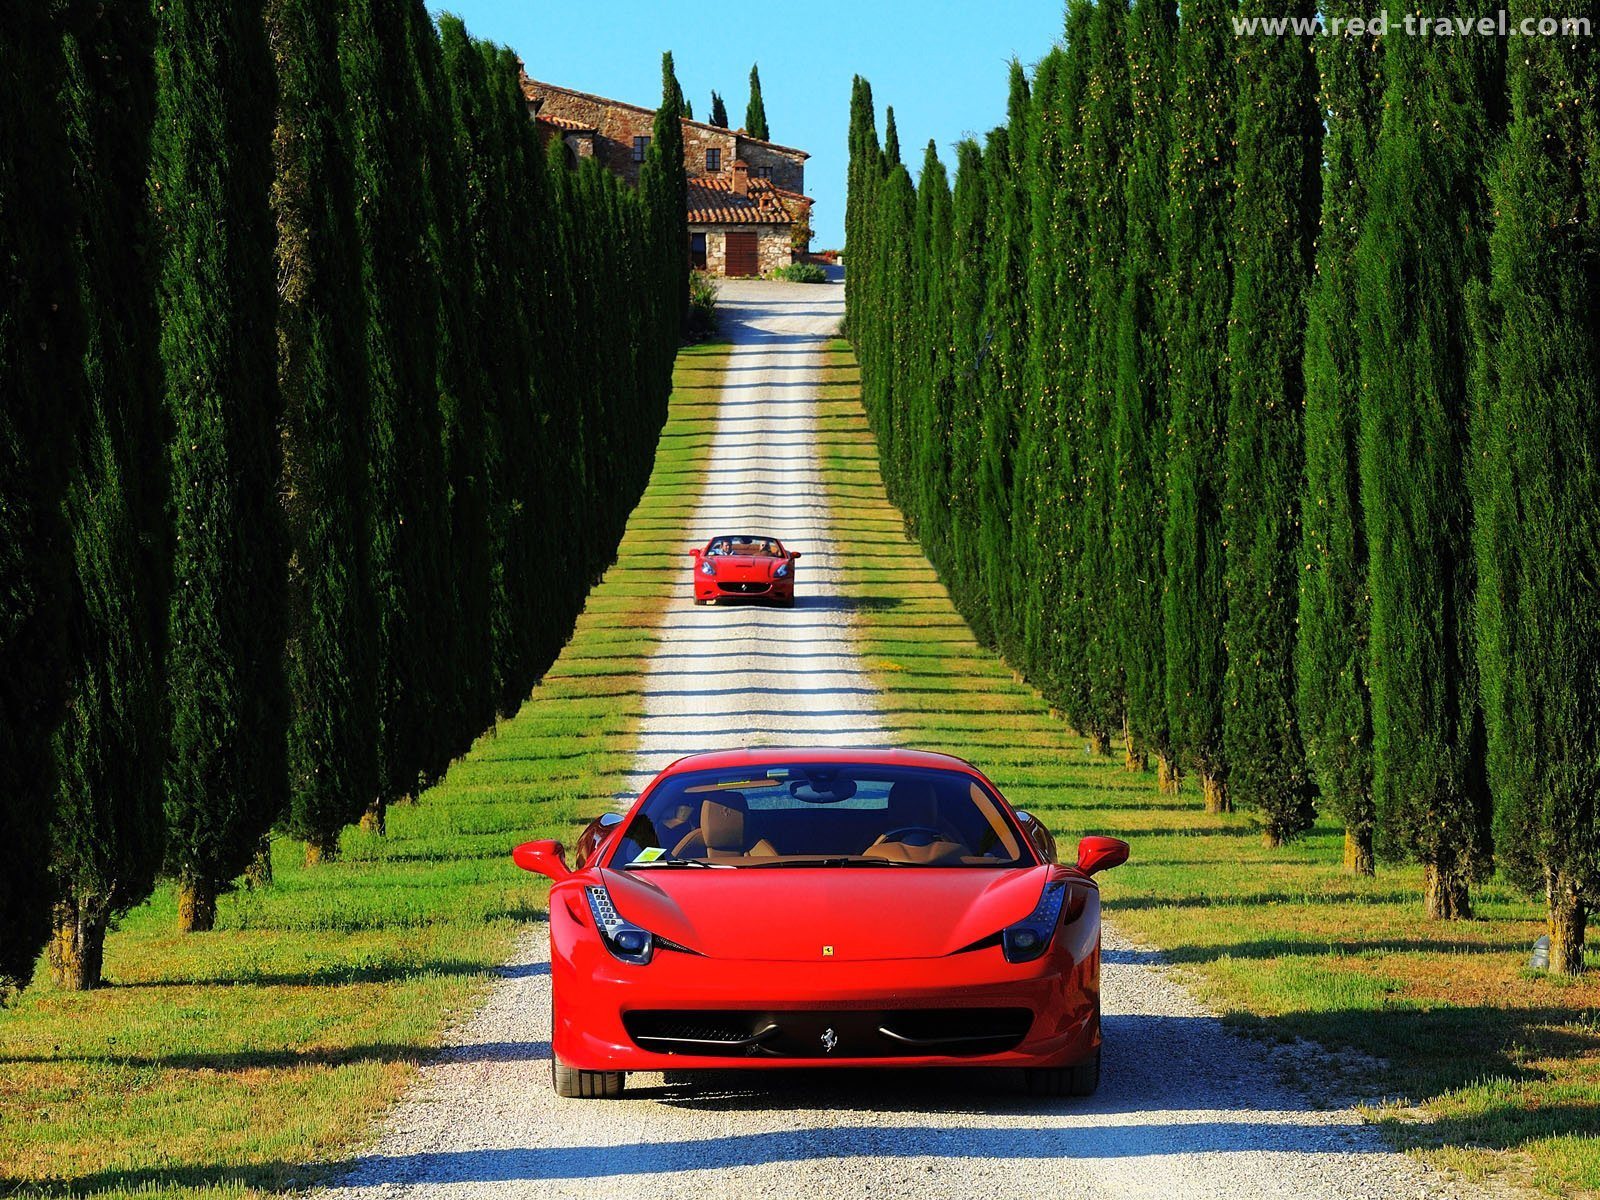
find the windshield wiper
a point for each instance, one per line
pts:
(657, 863)
(827, 862)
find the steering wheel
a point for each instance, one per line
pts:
(897, 835)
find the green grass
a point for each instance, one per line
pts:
(1486, 1068)
(225, 1063)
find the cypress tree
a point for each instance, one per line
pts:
(1051, 444)
(1106, 132)
(864, 169)
(971, 338)
(108, 836)
(664, 188)
(1141, 414)
(464, 686)
(502, 211)
(409, 526)
(227, 778)
(322, 374)
(755, 113)
(1278, 131)
(1331, 652)
(893, 278)
(41, 341)
(1421, 245)
(719, 111)
(1538, 485)
(1201, 288)
(929, 402)
(891, 141)
(1005, 366)
(687, 112)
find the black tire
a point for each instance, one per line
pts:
(786, 602)
(573, 1084)
(699, 601)
(1079, 1080)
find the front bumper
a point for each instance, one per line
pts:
(599, 999)
(709, 588)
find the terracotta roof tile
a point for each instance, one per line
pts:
(564, 123)
(712, 201)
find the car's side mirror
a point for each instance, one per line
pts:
(548, 858)
(697, 551)
(794, 554)
(1101, 854)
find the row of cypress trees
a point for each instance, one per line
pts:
(1243, 392)
(328, 391)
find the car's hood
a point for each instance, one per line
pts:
(792, 913)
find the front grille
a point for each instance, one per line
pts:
(889, 1033)
(740, 588)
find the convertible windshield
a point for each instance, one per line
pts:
(761, 547)
(821, 814)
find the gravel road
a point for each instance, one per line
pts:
(1186, 1108)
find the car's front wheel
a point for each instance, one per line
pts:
(573, 1084)
(1079, 1080)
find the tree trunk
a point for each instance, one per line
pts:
(1358, 858)
(375, 819)
(1133, 756)
(1566, 918)
(259, 873)
(1100, 742)
(1215, 793)
(1444, 893)
(1270, 838)
(1166, 775)
(78, 945)
(321, 850)
(197, 906)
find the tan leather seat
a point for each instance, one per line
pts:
(722, 832)
(914, 804)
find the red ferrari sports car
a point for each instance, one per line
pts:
(783, 908)
(743, 566)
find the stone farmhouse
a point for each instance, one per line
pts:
(748, 211)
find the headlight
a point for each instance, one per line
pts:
(1030, 937)
(707, 567)
(623, 938)
(781, 571)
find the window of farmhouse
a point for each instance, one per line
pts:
(640, 145)
(713, 160)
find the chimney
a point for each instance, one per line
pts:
(741, 177)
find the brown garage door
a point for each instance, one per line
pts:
(741, 253)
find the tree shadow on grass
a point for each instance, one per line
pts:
(282, 1059)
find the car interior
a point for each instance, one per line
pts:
(759, 547)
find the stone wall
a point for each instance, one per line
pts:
(697, 140)
(772, 246)
(787, 171)
(616, 125)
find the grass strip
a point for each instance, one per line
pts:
(1486, 1068)
(220, 1064)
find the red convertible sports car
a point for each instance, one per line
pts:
(743, 566)
(853, 908)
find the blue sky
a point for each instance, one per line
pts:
(941, 63)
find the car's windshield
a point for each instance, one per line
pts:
(821, 814)
(743, 544)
